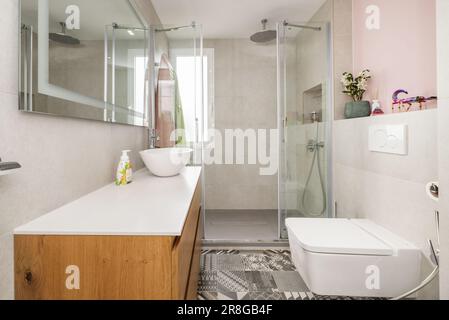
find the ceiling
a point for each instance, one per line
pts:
(234, 19)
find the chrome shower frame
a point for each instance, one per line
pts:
(282, 120)
(301, 26)
(191, 26)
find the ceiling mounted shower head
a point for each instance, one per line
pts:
(265, 35)
(63, 37)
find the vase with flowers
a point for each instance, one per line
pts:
(355, 87)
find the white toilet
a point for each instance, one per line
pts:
(355, 258)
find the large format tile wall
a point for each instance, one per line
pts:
(63, 159)
(245, 98)
(443, 105)
(389, 189)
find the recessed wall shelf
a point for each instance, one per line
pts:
(313, 103)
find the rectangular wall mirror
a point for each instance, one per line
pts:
(84, 59)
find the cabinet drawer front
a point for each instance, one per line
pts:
(92, 268)
(183, 249)
(192, 290)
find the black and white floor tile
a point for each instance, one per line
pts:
(252, 275)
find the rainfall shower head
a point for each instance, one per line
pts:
(63, 37)
(264, 35)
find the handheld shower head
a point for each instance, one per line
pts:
(265, 35)
(63, 37)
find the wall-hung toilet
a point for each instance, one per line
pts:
(356, 258)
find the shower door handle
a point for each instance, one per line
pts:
(27, 73)
(284, 127)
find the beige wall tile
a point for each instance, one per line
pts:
(351, 140)
(245, 91)
(9, 79)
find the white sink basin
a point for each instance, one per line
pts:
(166, 162)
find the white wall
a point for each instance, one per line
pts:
(443, 93)
(395, 70)
(63, 159)
(389, 189)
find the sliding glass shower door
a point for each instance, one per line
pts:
(305, 119)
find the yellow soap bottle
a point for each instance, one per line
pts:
(124, 170)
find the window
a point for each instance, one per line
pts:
(197, 101)
(140, 65)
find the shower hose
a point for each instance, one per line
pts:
(435, 271)
(317, 160)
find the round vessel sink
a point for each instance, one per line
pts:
(167, 162)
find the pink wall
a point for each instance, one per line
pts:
(402, 54)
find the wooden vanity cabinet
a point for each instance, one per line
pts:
(111, 267)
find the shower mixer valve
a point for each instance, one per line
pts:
(314, 145)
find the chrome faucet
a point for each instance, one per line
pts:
(314, 117)
(154, 138)
(314, 145)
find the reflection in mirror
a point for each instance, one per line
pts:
(84, 59)
(182, 88)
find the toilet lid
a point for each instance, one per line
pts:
(337, 236)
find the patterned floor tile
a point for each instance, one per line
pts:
(208, 281)
(279, 261)
(263, 295)
(260, 281)
(289, 281)
(232, 281)
(345, 298)
(230, 262)
(235, 296)
(255, 262)
(209, 262)
(297, 296)
(253, 275)
(208, 296)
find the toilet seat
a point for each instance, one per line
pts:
(337, 257)
(338, 236)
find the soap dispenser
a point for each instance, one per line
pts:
(124, 170)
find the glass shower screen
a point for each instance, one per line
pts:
(305, 119)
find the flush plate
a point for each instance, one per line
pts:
(391, 139)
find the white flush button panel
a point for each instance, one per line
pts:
(389, 139)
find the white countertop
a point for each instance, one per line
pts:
(150, 206)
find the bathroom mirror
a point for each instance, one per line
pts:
(84, 59)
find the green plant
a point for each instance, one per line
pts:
(356, 87)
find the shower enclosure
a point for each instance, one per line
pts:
(238, 200)
(305, 122)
